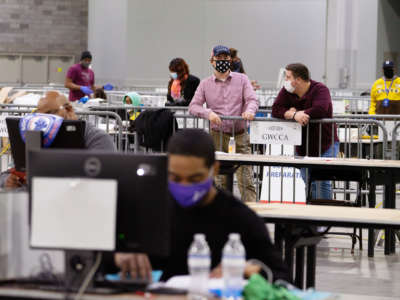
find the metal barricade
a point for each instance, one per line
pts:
(353, 104)
(116, 131)
(150, 98)
(348, 143)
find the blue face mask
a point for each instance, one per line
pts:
(174, 75)
(189, 195)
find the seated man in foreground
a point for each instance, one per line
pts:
(199, 207)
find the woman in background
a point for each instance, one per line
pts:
(237, 66)
(182, 85)
(134, 99)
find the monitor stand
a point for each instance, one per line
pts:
(78, 264)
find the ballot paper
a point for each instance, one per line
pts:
(73, 213)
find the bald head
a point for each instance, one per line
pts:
(57, 104)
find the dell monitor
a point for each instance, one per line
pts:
(143, 204)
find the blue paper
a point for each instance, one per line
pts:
(156, 275)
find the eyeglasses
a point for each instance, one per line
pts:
(55, 111)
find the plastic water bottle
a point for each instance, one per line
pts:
(232, 145)
(233, 265)
(199, 263)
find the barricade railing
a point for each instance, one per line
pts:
(395, 154)
(18, 106)
(350, 146)
(114, 129)
(353, 104)
(156, 99)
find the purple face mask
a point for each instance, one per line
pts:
(189, 195)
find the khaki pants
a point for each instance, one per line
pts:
(244, 173)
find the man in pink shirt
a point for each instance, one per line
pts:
(228, 93)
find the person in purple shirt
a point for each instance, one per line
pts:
(302, 99)
(227, 93)
(80, 79)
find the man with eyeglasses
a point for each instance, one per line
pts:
(228, 93)
(57, 104)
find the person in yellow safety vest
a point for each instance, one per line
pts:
(385, 92)
(134, 99)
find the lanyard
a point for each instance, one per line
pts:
(388, 90)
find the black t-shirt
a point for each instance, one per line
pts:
(217, 220)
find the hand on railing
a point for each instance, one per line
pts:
(248, 116)
(302, 118)
(214, 118)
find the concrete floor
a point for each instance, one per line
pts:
(357, 276)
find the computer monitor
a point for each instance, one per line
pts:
(143, 204)
(70, 136)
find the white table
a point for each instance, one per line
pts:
(290, 218)
(385, 172)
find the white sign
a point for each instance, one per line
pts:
(389, 126)
(281, 133)
(3, 126)
(282, 184)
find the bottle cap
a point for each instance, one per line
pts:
(234, 236)
(199, 236)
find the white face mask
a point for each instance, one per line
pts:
(174, 75)
(288, 86)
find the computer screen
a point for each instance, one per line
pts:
(70, 136)
(143, 204)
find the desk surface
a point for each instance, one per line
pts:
(299, 161)
(7, 293)
(35, 294)
(336, 214)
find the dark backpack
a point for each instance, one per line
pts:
(154, 128)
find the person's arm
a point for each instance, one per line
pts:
(93, 86)
(372, 106)
(190, 89)
(70, 85)
(251, 102)
(320, 103)
(196, 105)
(169, 98)
(97, 139)
(280, 107)
(137, 265)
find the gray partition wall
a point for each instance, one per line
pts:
(34, 68)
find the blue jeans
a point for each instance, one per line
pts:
(325, 189)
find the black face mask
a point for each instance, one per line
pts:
(222, 66)
(236, 66)
(388, 72)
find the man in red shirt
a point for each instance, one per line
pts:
(80, 79)
(303, 99)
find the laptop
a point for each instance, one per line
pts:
(70, 136)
